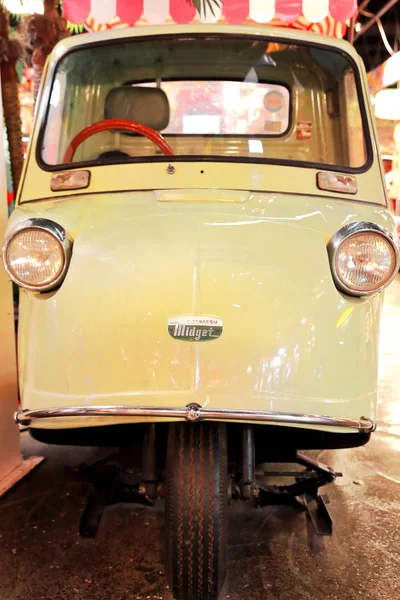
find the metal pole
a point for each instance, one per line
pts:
(374, 19)
(248, 461)
(363, 5)
(350, 37)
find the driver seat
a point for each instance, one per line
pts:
(146, 105)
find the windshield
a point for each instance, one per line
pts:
(220, 97)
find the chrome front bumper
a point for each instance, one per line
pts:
(192, 413)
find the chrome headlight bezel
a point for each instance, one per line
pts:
(348, 231)
(52, 228)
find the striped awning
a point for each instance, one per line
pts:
(324, 16)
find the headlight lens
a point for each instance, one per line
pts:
(36, 257)
(364, 262)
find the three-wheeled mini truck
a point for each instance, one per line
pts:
(201, 241)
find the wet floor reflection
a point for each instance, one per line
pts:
(389, 367)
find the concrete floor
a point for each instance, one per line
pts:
(273, 552)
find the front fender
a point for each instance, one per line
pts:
(291, 341)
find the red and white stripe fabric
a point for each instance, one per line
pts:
(324, 16)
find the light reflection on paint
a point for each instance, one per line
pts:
(263, 221)
(344, 317)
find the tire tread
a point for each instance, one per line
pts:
(196, 510)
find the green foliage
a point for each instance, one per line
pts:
(203, 5)
(75, 29)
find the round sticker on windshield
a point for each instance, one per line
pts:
(274, 101)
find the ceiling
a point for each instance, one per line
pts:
(370, 44)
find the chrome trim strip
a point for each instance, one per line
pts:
(346, 232)
(193, 412)
(56, 231)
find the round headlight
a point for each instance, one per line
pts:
(36, 254)
(364, 259)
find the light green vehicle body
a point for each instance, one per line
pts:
(244, 243)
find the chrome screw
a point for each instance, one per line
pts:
(193, 412)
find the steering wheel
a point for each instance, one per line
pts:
(122, 125)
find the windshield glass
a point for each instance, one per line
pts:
(229, 98)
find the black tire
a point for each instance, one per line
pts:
(196, 510)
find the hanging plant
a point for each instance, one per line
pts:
(11, 50)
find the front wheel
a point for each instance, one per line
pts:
(196, 510)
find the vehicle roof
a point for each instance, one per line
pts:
(80, 41)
